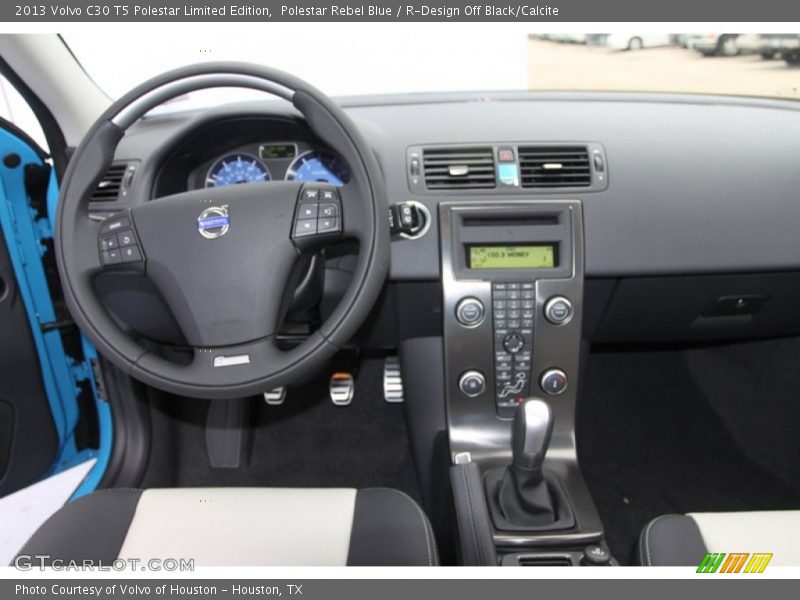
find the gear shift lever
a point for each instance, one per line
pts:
(530, 436)
(524, 496)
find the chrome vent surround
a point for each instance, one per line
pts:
(554, 166)
(459, 168)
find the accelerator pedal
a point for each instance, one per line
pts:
(392, 380)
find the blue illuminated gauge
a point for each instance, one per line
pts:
(236, 168)
(318, 165)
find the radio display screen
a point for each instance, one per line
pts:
(539, 256)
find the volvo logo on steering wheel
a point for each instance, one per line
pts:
(213, 222)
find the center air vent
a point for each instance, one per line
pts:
(115, 182)
(554, 166)
(458, 168)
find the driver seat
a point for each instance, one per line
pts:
(239, 527)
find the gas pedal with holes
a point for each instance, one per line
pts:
(342, 388)
(392, 380)
(275, 397)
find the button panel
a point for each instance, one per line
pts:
(319, 212)
(512, 310)
(117, 242)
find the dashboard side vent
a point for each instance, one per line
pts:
(458, 168)
(110, 186)
(554, 166)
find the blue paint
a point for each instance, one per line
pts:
(25, 231)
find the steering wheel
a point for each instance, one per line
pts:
(224, 259)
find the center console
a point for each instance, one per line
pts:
(512, 273)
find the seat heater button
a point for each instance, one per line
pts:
(308, 210)
(131, 254)
(126, 238)
(111, 257)
(305, 227)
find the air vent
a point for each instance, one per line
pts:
(554, 166)
(458, 168)
(108, 190)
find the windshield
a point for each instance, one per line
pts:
(381, 58)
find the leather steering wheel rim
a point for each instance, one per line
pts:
(362, 217)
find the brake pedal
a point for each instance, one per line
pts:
(341, 388)
(392, 380)
(275, 397)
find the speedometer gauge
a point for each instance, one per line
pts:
(318, 165)
(236, 168)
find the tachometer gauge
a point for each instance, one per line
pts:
(318, 165)
(236, 168)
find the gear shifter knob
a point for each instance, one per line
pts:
(530, 436)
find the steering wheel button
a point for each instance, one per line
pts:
(109, 243)
(329, 195)
(114, 225)
(311, 194)
(327, 225)
(111, 257)
(328, 210)
(125, 238)
(305, 227)
(130, 254)
(308, 210)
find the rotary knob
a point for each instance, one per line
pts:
(472, 383)
(553, 382)
(558, 310)
(470, 312)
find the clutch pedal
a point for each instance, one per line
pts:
(392, 380)
(342, 388)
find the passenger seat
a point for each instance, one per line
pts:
(684, 540)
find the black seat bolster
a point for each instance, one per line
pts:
(671, 541)
(89, 529)
(389, 528)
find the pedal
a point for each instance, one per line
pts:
(275, 397)
(342, 388)
(392, 380)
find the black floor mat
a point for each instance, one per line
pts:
(305, 442)
(650, 443)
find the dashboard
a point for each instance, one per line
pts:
(701, 197)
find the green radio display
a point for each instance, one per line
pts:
(512, 257)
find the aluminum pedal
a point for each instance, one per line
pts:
(392, 380)
(275, 397)
(342, 388)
